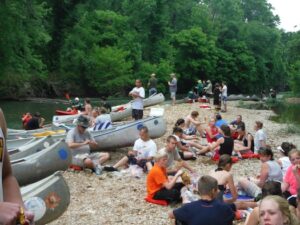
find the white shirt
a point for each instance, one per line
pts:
(2, 149)
(144, 149)
(285, 164)
(137, 103)
(224, 91)
(259, 136)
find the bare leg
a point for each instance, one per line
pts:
(88, 163)
(122, 162)
(149, 166)
(104, 157)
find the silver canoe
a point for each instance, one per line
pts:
(54, 192)
(31, 148)
(118, 112)
(125, 135)
(41, 164)
(16, 143)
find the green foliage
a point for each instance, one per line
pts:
(98, 47)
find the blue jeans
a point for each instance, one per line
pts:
(152, 91)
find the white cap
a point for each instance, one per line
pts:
(76, 99)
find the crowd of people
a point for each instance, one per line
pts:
(211, 198)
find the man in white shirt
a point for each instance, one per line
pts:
(138, 94)
(224, 96)
(142, 154)
(260, 137)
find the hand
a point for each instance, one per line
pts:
(9, 213)
(296, 168)
(130, 152)
(29, 217)
(86, 142)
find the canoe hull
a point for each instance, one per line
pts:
(55, 193)
(42, 164)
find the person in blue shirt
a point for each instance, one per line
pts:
(220, 121)
(206, 211)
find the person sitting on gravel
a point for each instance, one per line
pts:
(175, 162)
(219, 120)
(159, 186)
(291, 181)
(207, 210)
(284, 161)
(81, 142)
(260, 137)
(238, 122)
(103, 120)
(225, 178)
(212, 132)
(270, 171)
(181, 124)
(244, 142)
(183, 148)
(223, 144)
(193, 124)
(142, 154)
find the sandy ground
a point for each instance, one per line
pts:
(119, 199)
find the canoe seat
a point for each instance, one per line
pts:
(157, 202)
(74, 167)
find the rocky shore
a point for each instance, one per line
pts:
(118, 198)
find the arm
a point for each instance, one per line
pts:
(217, 143)
(232, 189)
(253, 218)
(72, 144)
(181, 147)
(264, 172)
(296, 174)
(169, 184)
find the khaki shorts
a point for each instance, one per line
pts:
(252, 189)
(78, 159)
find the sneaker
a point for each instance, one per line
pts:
(109, 169)
(98, 170)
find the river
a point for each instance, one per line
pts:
(13, 110)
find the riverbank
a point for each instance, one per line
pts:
(119, 199)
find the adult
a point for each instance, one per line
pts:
(200, 88)
(181, 124)
(11, 204)
(138, 94)
(219, 120)
(270, 171)
(173, 87)
(225, 143)
(212, 132)
(238, 122)
(224, 177)
(193, 124)
(36, 122)
(159, 187)
(206, 211)
(244, 142)
(103, 120)
(284, 160)
(182, 147)
(152, 83)
(291, 181)
(216, 95)
(260, 137)
(76, 104)
(104, 103)
(208, 89)
(224, 96)
(175, 162)
(87, 107)
(274, 210)
(81, 142)
(142, 154)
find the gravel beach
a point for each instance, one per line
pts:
(118, 198)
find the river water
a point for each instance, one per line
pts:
(13, 110)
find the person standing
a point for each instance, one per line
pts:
(217, 93)
(200, 88)
(224, 96)
(173, 87)
(138, 94)
(208, 89)
(11, 204)
(152, 83)
(260, 138)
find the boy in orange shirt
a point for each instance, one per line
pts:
(159, 187)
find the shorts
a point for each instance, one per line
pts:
(78, 160)
(224, 98)
(137, 114)
(252, 189)
(132, 160)
(173, 94)
(190, 131)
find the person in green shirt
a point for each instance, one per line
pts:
(200, 88)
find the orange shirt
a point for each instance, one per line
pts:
(155, 179)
